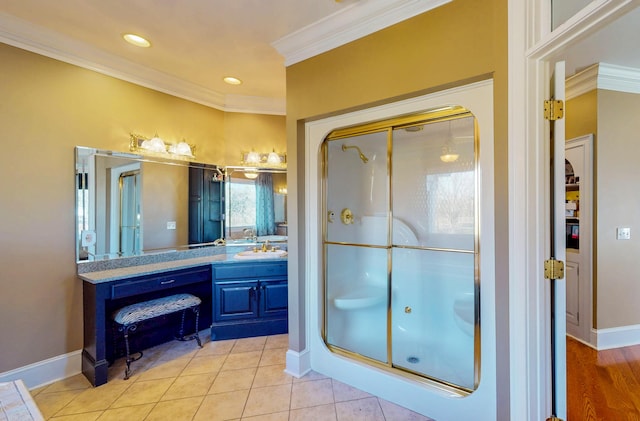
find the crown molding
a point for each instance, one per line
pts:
(255, 104)
(349, 24)
(24, 35)
(603, 76)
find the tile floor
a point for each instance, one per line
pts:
(241, 379)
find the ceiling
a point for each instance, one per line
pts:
(617, 43)
(197, 43)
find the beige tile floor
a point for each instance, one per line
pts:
(241, 379)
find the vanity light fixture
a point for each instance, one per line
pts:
(271, 159)
(136, 40)
(181, 148)
(251, 174)
(232, 80)
(253, 157)
(156, 146)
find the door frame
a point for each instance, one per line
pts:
(414, 395)
(529, 222)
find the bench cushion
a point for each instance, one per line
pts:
(137, 312)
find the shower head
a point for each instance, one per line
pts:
(362, 156)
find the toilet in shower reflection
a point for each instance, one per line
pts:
(464, 312)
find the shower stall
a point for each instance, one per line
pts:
(400, 246)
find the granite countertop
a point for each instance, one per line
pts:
(125, 272)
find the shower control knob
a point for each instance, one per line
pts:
(346, 216)
(407, 309)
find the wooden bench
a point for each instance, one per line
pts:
(128, 317)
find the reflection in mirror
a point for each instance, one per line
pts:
(255, 205)
(121, 196)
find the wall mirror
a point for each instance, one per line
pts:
(256, 205)
(129, 204)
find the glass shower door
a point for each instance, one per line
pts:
(356, 253)
(401, 275)
(434, 291)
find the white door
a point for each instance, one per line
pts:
(557, 287)
(579, 158)
(572, 281)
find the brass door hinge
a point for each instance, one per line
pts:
(553, 269)
(553, 109)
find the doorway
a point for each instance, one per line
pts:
(540, 50)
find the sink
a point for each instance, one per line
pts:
(250, 254)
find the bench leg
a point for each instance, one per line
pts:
(126, 329)
(196, 335)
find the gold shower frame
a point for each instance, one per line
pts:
(436, 115)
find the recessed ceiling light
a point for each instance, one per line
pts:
(232, 80)
(136, 40)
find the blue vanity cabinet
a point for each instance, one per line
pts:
(235, 300)
(102, 298)
(249, 300)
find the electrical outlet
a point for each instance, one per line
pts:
(623, 233)
(171, 225)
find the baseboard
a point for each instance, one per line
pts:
(589, 344)
(298, 363)
(47, 371)
(616, 337)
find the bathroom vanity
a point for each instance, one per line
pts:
(249, 300)
(138, 240)
(240, 298)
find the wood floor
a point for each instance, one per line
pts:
(602, 385)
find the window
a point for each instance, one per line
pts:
(240, 206)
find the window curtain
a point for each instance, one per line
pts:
(265, 213)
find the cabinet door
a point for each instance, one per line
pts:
(273, 298)
(206, 206)
(235, 300)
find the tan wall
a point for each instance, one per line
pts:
(171, 183)
(582, 115)
(47, 108)
(611, 117)
(461, 41)
(618, 176)
(242, 132)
